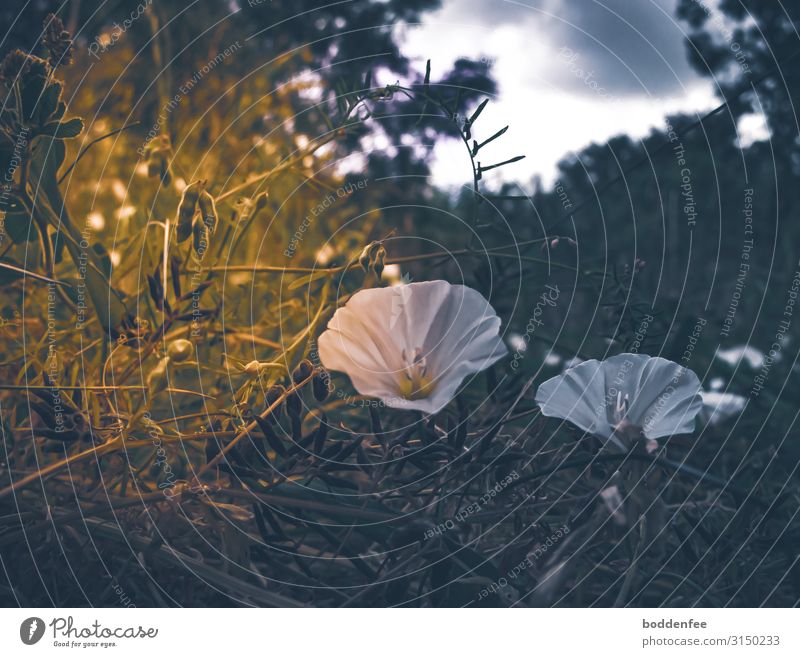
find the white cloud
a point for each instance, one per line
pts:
(554, 106)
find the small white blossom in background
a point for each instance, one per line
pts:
(552, 360)
(412, 345)
(734, 355)
(720, 406)
(325, 254)
(393, 275)
(96, 221)
(517, 342)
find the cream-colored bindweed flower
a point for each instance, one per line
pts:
(625, 396)
(412, 345)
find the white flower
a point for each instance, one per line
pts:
(517, 342)
(625, 394)
(719, 406)
(735, 355)
(552, 359)
(412, 345)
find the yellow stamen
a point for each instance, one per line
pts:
(414, 382)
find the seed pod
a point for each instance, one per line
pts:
(272, 438)
(157, 379)
(208, 210)
(153, 167)
(157, 155)
(175, 274)
(200, 236)
(367, 257)
(321, 434)
(273, 394)
(319, 385)
(187, 208)
(156, 289)
(164, 169)
(294, 405)
(180, 350)
(380, 261)
(302, 371)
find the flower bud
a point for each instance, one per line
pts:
(180, 350)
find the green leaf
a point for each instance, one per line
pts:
(49, 102)
(31, 90)
(477, 112)
(10, 271)
(63, 129)
(18, 227)
(47, 156)
(500, 164)
(476, 147)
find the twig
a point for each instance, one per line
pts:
(92, 143)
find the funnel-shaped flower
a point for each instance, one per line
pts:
(412, 345)
(627, 395)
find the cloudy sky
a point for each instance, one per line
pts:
(570, 72)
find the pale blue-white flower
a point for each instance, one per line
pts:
(733, 356)
(628, 395)
(412, 345)
(720, 406)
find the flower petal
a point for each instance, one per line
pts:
(359, 343)
(578, 396)
(664, 397)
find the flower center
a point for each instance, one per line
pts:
(415, 382)
(623, 427)
(620, 408)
